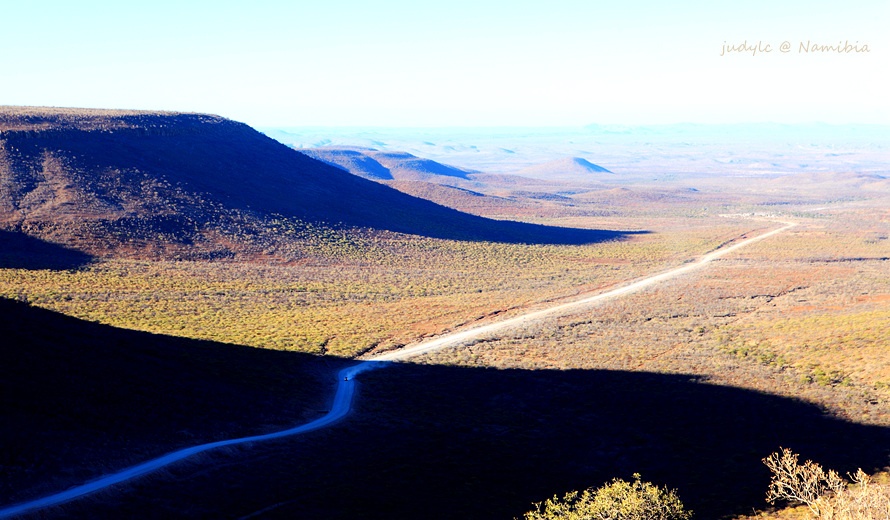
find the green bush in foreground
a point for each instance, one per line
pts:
(618, 500)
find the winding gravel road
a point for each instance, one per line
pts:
(346, 387)
(456, 338)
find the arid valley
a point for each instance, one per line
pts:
(174, 279)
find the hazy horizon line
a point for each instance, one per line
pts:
(570, 126)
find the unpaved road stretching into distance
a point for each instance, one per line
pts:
(346, 386)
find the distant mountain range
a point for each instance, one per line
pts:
(402, 166)
(638, 151)
(201, 186)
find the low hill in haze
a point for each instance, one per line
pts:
(409, 167)
(200, 186)
(565, 168)
(837, 181)
(356, 162)
(384, 165)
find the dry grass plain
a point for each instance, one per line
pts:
(813, 301)
(804, 315)
(357, 295)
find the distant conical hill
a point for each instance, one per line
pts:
(567, 167)
(195, 185)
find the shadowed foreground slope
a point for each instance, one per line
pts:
(424, 441)
(447, 442)
(79, 398)
(198, 184)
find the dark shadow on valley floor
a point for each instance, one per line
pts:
(78, 399)
(424, 441)
(446, 442)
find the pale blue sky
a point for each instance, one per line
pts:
(451, 63)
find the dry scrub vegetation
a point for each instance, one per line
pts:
(618, 500)
(826, 494)
(817, 494)
(357, 294)
(805, 314)
(210, 255)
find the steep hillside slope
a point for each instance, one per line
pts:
(176, 184)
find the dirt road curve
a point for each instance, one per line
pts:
(346, 387)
